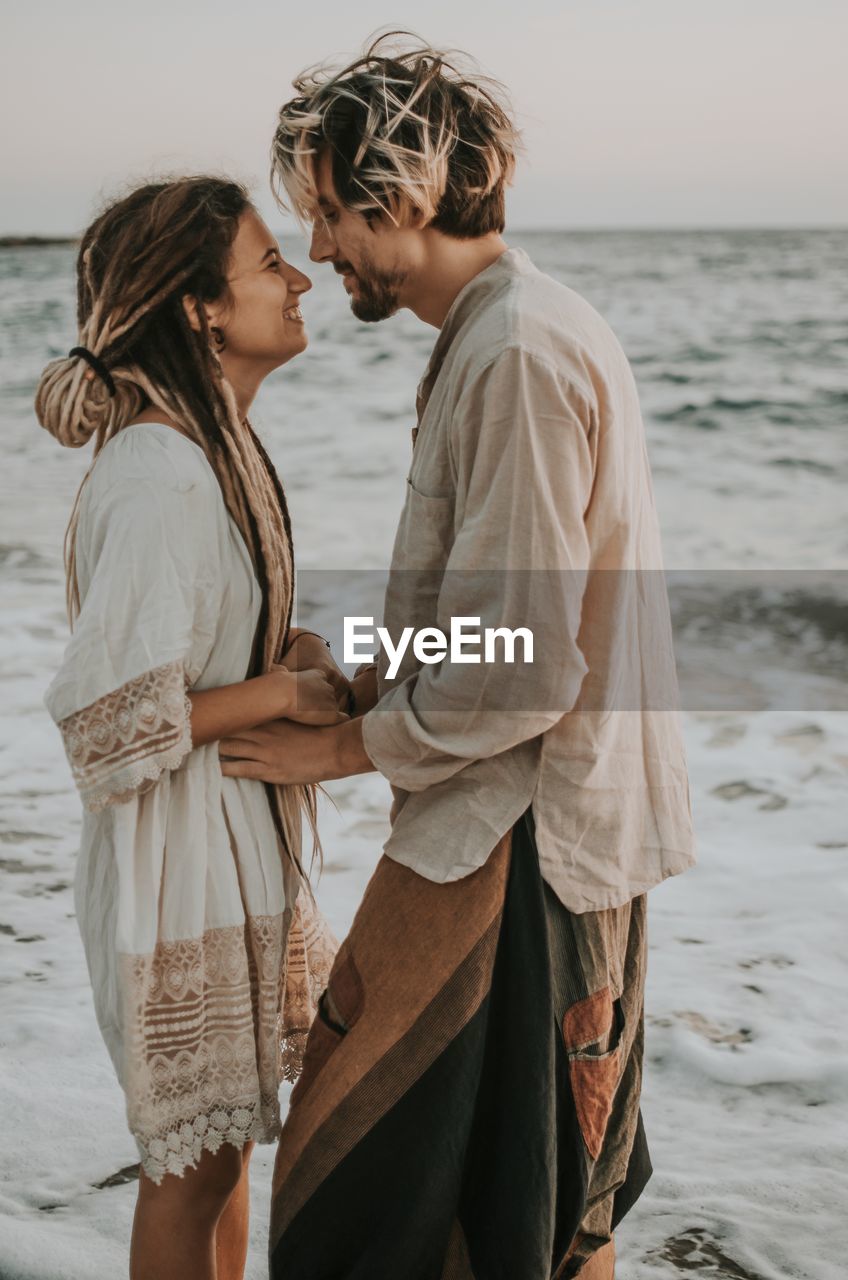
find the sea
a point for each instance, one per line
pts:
(739, 344)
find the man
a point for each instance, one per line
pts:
(469, 1105)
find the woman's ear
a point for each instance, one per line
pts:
(190, 308)
(214, 313)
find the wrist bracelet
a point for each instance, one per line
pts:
(302, 632)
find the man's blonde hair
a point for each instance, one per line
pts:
(415, 135)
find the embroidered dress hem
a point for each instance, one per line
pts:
(181, 1148)
(213, 1025)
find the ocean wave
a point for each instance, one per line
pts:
(804, 464)
(708, 412)
(784, 620)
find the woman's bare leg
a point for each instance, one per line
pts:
(175, 1223)
(231, 1235)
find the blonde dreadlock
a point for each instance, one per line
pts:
(136, 263)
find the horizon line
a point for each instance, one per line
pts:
(59, 237)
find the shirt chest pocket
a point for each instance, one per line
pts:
(426, 531)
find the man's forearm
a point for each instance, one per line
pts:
(294, 754)
(348, 754)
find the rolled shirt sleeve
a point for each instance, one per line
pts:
(522, 441)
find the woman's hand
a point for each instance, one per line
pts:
(364, 688)
(309, 651)
(311, 697)
(307, 696)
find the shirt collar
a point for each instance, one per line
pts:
(480, 288)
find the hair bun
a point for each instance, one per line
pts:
(73, 404)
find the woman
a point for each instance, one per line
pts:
(180, 571)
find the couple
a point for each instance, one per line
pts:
(468, 1100)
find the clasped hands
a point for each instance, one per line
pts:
(306, 746)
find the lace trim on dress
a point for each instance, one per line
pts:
(121, 744)
(181, 1149)
(212, 1027)
(202, 1060)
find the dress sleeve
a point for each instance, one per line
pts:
(143, 635)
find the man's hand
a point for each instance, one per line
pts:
(284, 752)
(309, 651)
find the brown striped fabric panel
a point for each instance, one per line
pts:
(416, 951)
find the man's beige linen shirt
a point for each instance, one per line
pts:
(529, 503)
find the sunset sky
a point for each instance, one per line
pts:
(639, 113)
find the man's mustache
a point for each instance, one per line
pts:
(341, 268)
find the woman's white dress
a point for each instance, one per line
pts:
(183, 894)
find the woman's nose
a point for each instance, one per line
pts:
(298, 282)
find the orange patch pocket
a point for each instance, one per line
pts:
(592, 1030)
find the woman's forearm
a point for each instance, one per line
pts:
(221, 713)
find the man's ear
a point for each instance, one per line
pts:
(418, 220)
(410, 218)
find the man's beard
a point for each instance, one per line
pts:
(378, 293)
